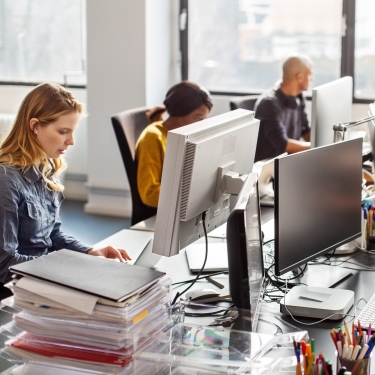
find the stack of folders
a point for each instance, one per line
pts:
(82, 312)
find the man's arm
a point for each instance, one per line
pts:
(294, 146)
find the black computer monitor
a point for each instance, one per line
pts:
(245, 251)
(317, 202)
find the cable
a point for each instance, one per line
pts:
(201, 278)
(178, 294)
(278, 328)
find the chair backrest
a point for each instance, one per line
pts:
(244, 102)
(128, 126)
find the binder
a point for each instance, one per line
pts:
(90, 274)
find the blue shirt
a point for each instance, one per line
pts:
(29, 220)
(281, 118)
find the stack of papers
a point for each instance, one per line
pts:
(85, 325)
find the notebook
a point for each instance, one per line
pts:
(94, 275)
(217, 258)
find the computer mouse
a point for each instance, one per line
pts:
(198, 294)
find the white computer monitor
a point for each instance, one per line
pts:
(197, 158)
(331, 105)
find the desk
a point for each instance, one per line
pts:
(361, 283)
(177, 267)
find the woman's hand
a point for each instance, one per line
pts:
(111, 253)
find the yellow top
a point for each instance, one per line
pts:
(150, 151)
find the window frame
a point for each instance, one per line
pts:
(347, 49)
(64, 84)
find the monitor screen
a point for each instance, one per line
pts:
(245, 250)
(197, 160)
(317, 202)
(331, 105)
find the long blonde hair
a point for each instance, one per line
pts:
(21, 149)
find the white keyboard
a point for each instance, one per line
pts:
(367, 315)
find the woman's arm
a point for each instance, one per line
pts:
(149, 169)
(60, 240)
(9, 223)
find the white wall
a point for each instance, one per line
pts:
(129, 65)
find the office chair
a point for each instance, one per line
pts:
(245, 102)
(128, 126)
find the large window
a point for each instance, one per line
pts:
(42, 40)
(238, 46)
(364, 64)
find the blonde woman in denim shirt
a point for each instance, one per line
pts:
(30, 191)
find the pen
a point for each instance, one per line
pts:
(333, 336)
(324, 364)
(320, 366)
(298, 367)
(339, 348)
(363, 352)
(308, 350)
(353, 335)
(313, 346)
(350, 352)
(370, 347)
(345, 350)
(368, 332)
(355, 352)
(347, 333)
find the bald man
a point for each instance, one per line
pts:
(281, 111)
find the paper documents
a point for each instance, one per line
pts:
(66, 296)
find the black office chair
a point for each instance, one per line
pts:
(245, 102)
(128, 126)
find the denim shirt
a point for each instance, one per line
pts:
(29, 220)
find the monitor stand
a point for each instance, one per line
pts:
(348, 248)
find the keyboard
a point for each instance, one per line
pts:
(367, 315)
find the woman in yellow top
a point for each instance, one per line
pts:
(185, 103)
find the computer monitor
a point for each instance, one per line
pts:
(317, 203)
(204, 164)
(331, 105)
(245, 250)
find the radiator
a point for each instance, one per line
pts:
(6, 122)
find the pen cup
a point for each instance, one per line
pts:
(357, 366)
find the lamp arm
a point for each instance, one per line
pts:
(343, 127)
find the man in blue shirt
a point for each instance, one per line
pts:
(281, 111)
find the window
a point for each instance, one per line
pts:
(364, 82)
(238, 46)
(42, 40)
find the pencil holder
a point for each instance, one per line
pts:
(357, 367)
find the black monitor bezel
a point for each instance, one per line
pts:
(278, 271)
(237, 247)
